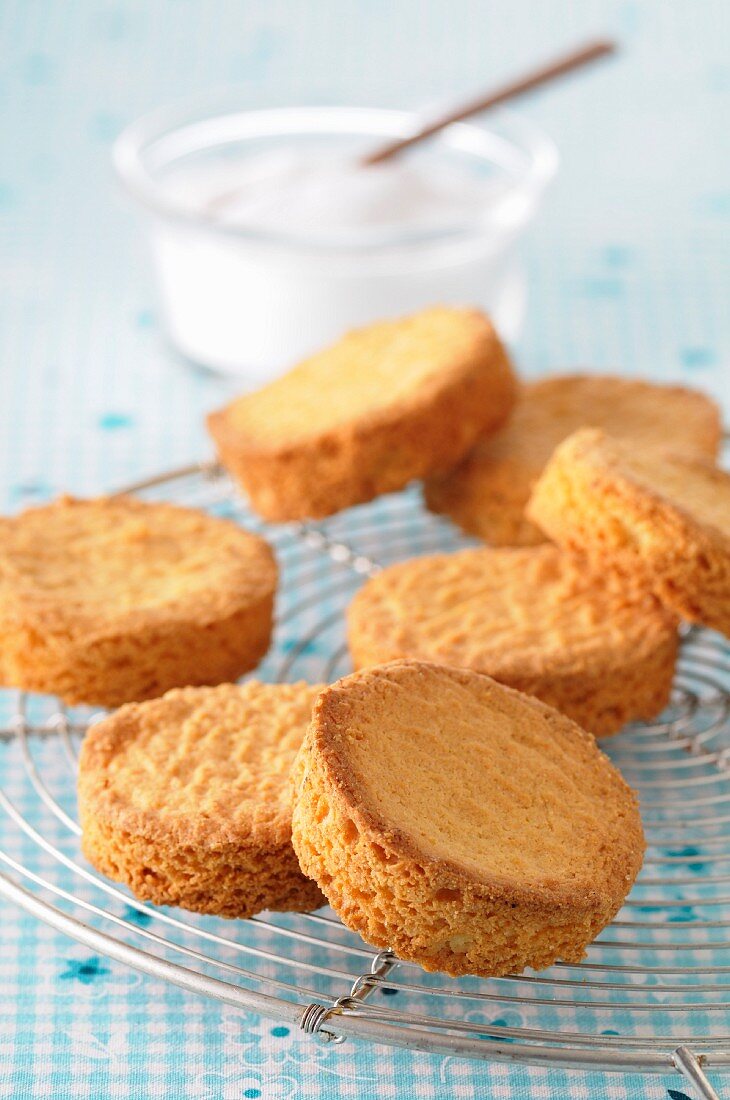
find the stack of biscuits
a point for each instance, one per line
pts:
(448, 798)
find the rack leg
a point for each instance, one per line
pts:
(689, 1066)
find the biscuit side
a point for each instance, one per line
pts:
(228, 881)
(487, 498)
(133, 664)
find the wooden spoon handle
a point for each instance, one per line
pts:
(551, 71)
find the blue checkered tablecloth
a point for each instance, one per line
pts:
(628, 271)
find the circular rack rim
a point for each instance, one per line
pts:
(673, 755)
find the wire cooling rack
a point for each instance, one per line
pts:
(652, 995)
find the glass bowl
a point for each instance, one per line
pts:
(251, 302)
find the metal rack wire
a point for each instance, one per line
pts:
(652, 995)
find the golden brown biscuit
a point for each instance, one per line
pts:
(597, 648)
(488, 492)
(110, 600)
(387, 404)
(468, 827)
(187, 798)
(661, 518)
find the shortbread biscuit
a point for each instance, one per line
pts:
(110, 600)
(186, 799)
(488, 492)
(388, 403)
(468, 827)
(661, 518)
(597, 648)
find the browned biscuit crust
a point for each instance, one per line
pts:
(110, 600)
(488, 492)
(469, 828)
(595, 646)
(186, 799)
(389, 403)
(661, 518)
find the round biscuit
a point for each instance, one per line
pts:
(470, 828)
(186, 799)
(115, 599)
(388, 403)
(660, 518)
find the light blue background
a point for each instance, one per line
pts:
(629, 270)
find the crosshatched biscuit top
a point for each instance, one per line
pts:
(513, 613)
(95, 562)
(212, 764)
